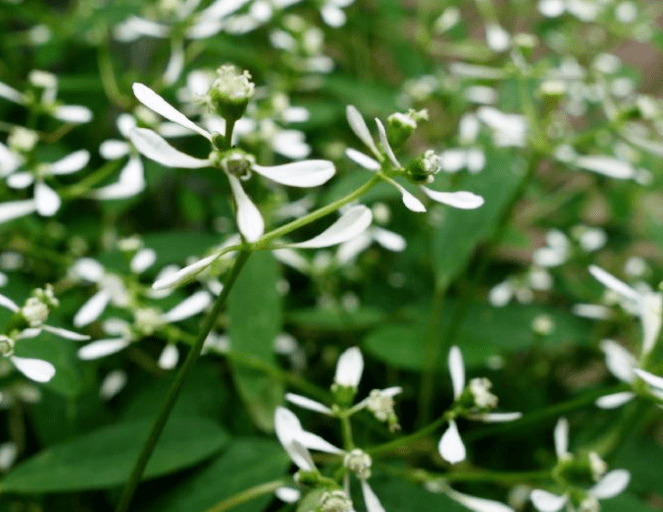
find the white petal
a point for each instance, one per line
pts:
(130, 183)
(71, 163)
(92, 309)
(6, 302)
(389, 240)
(11, 94)
(650, 378)
(334, 17)
(288, 494)
(113, 149)
(497, 38)
(305, 174)
(457, 371)
(385, 144)
(102, 348)
(547, 502)
(349, 367)
(500, 417)
(370, 499)
(87, 268)
(358, 125)
(8, 455)
(392, 391)
(134, 27)
(307, 403)
(143, 260)
(112, 384)
(175, 63)
(20, 179)
(249, 220)
(154, 147)
(172, 280)
(363, 160)
(287, 426)
(463, 199)
(315, 442)
(610, 281)
(76, 114)
(169, 357)
(204, 29)
(561, 437)
(411, 203)
(651, 316)
(611, 484)
(48, 202)
(152, 100)
(14, 209)
(353, 222)
(189, 307)
(614, 400)
(221, 8)
(551, 8)
(619, 361)
(451, 447)
(65, 333)
(608, 166)
(477, 504)
(34, 369)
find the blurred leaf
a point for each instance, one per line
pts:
(177, 246)
(254, 306)
(625, 502)
(104, 458)
(400, 496)
(336, 320)
(369, 98)
(247, 463)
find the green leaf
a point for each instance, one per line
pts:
(177, 246)
(104, 458)
(625, 502)
(397, 495)
(461, 231)
(247, 463)
(255, 307)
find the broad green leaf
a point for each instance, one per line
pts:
(104, 458)
(626, 502)
(369, 98)
(462, 231)
(255, 306)
(176, 246)
(398, 495)
(247, 463)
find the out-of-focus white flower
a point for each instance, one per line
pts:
(555, 253)
(509, 130)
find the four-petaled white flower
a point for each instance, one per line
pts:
(236, 164)
(451, 447)
(430, 163)
(608, 485)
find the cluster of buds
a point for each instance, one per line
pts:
(230, 92)
(400, 126)
(36, 309)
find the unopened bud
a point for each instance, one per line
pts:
(6, 346)
(424, 167)
(230, 92)
(400, 126)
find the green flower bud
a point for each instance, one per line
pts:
(400, 126)
(424, 167)
(6, 346)
(230, 93)
(343, 395)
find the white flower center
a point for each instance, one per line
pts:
(35, 312)
(380, 404)
(335, 501)
(483, 398)
(359, 463)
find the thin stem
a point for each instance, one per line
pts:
(176, 387)
(409, 439)
(230, 126)
(348, 442)
(247, 495)
(87, 183)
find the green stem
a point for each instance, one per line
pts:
(86, 184)
(176, 387)
(108, 81)
(348, 442)
(409, 439)
(247, 495)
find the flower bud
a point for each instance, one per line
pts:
(382, 406)
(359, 463)
(343, 395)
(6, 346)
(235, 162)
(35, 312)
(230, 92)
(400, 126)
(424, 167)
(335, 501)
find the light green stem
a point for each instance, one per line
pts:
(247, 495)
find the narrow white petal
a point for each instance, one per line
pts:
(47, 200)
(249, 219)
(457, 371)
(300, 455)
(358, 126)
(175, 63)
(315, 442)
(363, 160)
(389, 240)
(152, 100)
(349, 367)
(130, 182)
(154, 147)
(76, 114)
(34, 369)
(169, 357)
(287, 427)
(134, 27)
(288, 494)
(102, 348)
(20, 180)
(607, 166)
(307, 403)
(385, 144)
(463, 199)
(10, 94)
(370, 499)
(546, 501)
(611, 484)
(392, 391)
(411, 203)
(651, 316)
(65, 333)
(9, 304)
(189, 307)
(352, 223)
(561, 437)
(15, 209)
(614, 400)
(305, 174)
(89, 269)
(175, 279)
(500, 417)
(477, 504)
(610, 281)
(143, 260)
(113, 149)
(221, 8)
(204, 29)
(92, 309)
(71, 163)
(451, 447)
(112, 384)
(619, 361)
(650, 378)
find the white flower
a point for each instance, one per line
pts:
(463, 200)
(451, 447)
